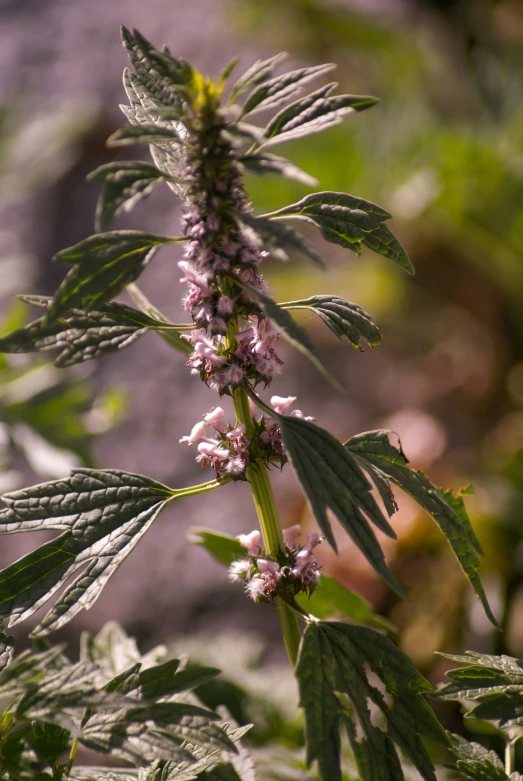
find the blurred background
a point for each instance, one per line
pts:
(443, 151)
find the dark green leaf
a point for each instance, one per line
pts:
(163, 680)
(124, 183)
(342, 317)
(313, 114)
(278, 238)
(375, 448)
(278, 89)
(144, 134)
(288, 327)
(334, 660)
(113, 651)
(81, 336)
(330, 598)
(103, 265)
(102, 514)
(332, 481)
(260, 163)
(255, 75)
(350, 222)
(223, 548)
(49, 741)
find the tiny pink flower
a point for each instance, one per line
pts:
(282, 405)
(251, 542)
(267, 566)
(225, 305)
(290, 534)
(198, 433)
(256, 587)
(238, 570)
(216, 419)
(212, 449)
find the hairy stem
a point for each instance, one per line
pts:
(267, 511)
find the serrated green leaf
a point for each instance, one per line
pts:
(342, 317)
(475, 762)
(103, 265)
(164, 680)
(255, 75)
(335, 658)
(332, 481)
(158, 74)
(278, 238)
(313, 114)
(375, 448)
(349, 222)
(122, 733)
(278, 89)
(113, 651)
(124, 183)
(289, 329)
(223, 548)
(261, 163)
(79, 335)
(495, 682)
(330, 598)
(143, 134)
(102, 514)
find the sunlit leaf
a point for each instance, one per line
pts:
(278, 89)
(344, 318)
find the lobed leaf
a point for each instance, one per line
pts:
(387, 461)
(349, 222)
(332, 481)
(124, 184)
(476, 763)
(278, 238)
(313, 114)
(102, 514)
(330, 599)
(344, 318)
(289, 329)
(335, 686)
(103, 265)
(278, 89)
(79, 335)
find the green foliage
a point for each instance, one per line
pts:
(140, 714)
(124, 184)
(81, 335)
(279, 89)
(332, 479)
(330, 599)
(339, 659)
(103, 265)
(344, 318)
(350, 222)
(382, 461)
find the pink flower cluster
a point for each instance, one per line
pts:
(226, 449)
(266, 578)
(269, 432)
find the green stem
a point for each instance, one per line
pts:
(510, 755)
(72, 757)
(267, 511)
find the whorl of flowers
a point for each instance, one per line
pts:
(297, 570)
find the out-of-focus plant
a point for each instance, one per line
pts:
(350, 675)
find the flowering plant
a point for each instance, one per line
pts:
(202, 143)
